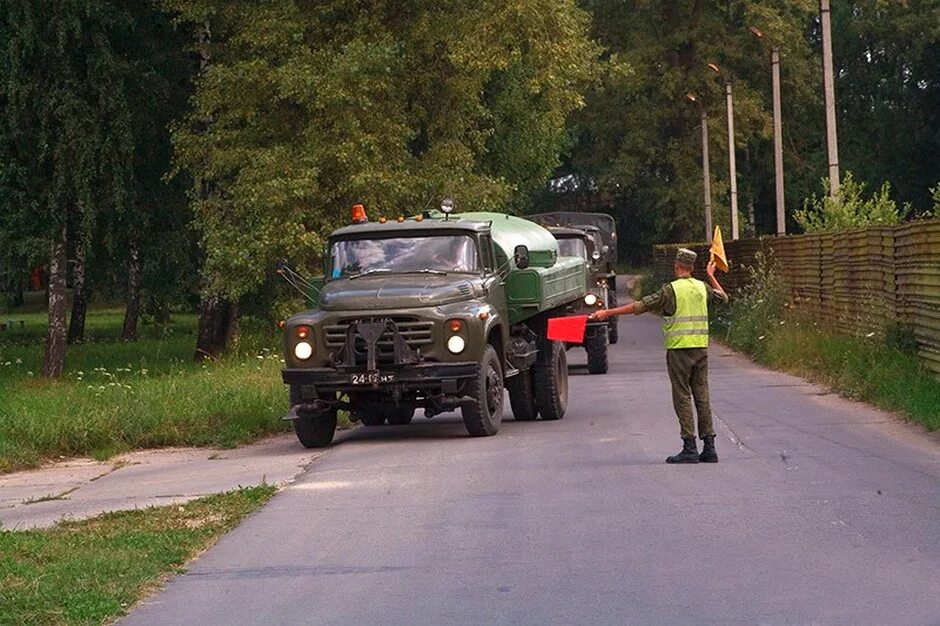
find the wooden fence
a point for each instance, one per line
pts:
(861, 281)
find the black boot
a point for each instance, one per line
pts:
(689, 453)
(708, 455)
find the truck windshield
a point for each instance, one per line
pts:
(572, 246)
(438, 253)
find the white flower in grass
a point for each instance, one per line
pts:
(19, 361)
(761, 338)
(30, 374)
(870, 335)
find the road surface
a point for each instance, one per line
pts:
(820, 511)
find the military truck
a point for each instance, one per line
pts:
(585, 245)
(602, 230)
(437, 311)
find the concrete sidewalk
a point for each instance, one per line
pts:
(83, 488)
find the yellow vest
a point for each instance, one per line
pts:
(688, 327)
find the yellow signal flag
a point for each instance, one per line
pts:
(717, 251)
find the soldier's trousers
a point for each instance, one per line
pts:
(688, 373)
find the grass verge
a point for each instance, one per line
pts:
(882, 369)
(93, 571)
(118, 396)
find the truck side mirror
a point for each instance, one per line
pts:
(521, 256)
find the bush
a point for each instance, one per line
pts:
(850, 209)
(757, 309)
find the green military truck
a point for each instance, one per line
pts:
(601, 233)
(440, 312)
(575, 242)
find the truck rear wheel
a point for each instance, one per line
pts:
(522, 396)
(483, 416)
(316, 430)
(551, 382)
(613, 330)
(596, 347)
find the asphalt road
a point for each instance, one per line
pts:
(820, 511)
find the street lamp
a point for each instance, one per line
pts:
(778, 132)
(732, 173)
(706, 174)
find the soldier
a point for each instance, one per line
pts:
(684, 305)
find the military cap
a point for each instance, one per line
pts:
(685, 256)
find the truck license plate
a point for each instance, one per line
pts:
(372, 378)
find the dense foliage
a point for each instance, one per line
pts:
(167, 148)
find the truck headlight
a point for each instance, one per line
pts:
(456, 344)
(590, 299)
(303, 350)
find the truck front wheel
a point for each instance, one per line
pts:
(522, 396)
(596, 347)
(484, 414)
(316, 430)
(551, 382)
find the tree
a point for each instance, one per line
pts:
(304, 108)
(888, 89)
(65, 137)
(638, 138)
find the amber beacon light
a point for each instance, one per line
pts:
(359, 214)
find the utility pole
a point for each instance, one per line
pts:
(706, 174)
(732, 167)
(706, 168)
(778, 141)
(832, 143)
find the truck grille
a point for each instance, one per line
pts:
(415, 332)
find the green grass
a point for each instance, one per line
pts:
(865, 369)
(869, 369)
(93, 571)
(118, 396)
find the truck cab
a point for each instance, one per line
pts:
(439, 312)
(601, 230)
(587, 245)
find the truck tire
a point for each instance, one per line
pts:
(313, 430)
(483, 416)
(400, 415)
(316, 430)
(551, 382)
(613, 330)
(522, 397)
(596, 347)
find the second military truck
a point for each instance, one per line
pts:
(438, 312)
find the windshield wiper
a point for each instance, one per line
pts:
(378, 270)
(425, 271)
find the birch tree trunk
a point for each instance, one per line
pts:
(79, 297)
(53, 358)
(134, 282)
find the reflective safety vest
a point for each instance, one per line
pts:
(688, 327)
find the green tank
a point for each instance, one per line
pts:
(437, 312)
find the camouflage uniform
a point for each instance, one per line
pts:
(688, 367)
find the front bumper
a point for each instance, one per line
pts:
(429, 377)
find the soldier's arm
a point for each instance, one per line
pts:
(653, 302)
(717, 292)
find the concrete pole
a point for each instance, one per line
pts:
(778, 142)
(732, 168)
(706, 173)
(829, 91)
